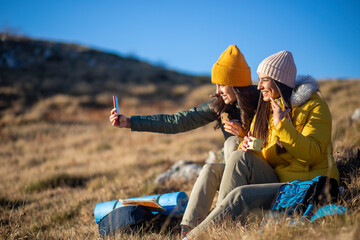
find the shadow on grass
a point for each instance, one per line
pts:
(11, 204)
(60, 180)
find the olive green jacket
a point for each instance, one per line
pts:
(179, 122)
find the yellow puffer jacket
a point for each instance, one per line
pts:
(307, 140)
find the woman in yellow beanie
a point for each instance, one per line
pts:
(231, 75)
(236, 96)
(294, 124)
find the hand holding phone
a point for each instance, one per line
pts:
(117, 119)
(116, 103)
(116, 106)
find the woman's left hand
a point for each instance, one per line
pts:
(234, 127)
(278, 113)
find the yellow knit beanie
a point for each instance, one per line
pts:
(231, 69)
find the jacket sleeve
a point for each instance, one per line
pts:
(174, 123)
(310, 144)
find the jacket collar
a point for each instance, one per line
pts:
(305, 86)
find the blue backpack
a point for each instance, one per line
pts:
(136, 218)
(311, 199)
(113, 217)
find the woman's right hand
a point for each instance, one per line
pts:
(119, 120)
(234, 127)
(245, 142)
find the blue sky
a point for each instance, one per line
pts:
(189, 35)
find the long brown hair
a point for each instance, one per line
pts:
(261, 125)
(246, 101)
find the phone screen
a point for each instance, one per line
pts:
(116, 103)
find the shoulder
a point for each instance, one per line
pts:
(314, 107)
(314, 101)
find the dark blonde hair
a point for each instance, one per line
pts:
(247, 102)
(261, 125)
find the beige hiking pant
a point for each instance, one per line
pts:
(240, 168)
(238, 204)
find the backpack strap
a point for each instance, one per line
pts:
(331, 209)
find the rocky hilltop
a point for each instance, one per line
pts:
(31, 70)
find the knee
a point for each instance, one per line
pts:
(230, 146)
(207, 170)
(231, 143)
(235, 197)
(236, 193)
(212, 172)
(242, 157)
(236, 157)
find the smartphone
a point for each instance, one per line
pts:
(116, 103)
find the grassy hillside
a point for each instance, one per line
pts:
(56, 168)
(32, 70)
(60, 156)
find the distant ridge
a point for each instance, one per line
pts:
(33, 69)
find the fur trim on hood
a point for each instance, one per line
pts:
(305, 86)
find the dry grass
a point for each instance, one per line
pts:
(61, 157)
(343, 99)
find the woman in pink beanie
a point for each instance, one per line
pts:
(294, 124)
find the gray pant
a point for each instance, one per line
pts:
(239, 203)
(240, 168)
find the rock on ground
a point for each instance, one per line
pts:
(184, 170)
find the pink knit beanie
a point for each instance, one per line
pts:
(280, 67)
